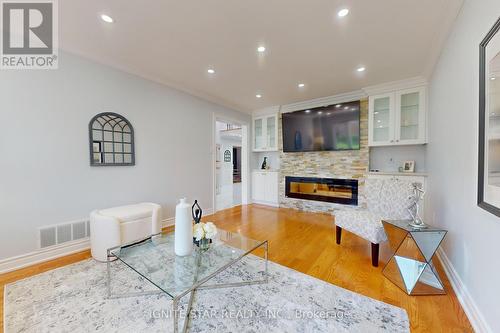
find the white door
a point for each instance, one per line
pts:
(272, 132)
(224, 197)
(258, 186)
(271, 183)
(410, 116)
(381, 120)
(259, 135)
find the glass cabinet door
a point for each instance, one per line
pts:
(259, 138)
(271, 132)
(410, 116)
(382, 119)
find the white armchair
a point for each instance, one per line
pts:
(385, 199)
(119, 225)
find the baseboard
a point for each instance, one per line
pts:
(36, 257)
(470, 308)
(265, 203)
(57, 251)
(168, 222)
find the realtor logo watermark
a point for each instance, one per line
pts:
(29, 34)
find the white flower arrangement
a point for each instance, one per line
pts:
(204, 230)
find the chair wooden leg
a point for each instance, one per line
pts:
(338, 233)
(375, 249)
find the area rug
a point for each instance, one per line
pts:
(73, 299)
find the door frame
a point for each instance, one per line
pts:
(245, 157)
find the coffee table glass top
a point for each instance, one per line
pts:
(155, 259)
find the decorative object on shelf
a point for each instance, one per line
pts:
(409, 166)
(227, 156)
(183, 229)
(264, 164)
(488, 196)
(400, 169)
(203, 234)
(414, 208)
(411, 267)
(111, 140)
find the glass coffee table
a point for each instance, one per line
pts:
(154, 259)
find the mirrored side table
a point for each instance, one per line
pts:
(411, 267)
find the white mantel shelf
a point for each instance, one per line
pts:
(396, 173)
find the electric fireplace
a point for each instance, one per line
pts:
(342, 191)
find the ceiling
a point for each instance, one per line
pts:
(174, 42)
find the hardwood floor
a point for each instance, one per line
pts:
(306, 242)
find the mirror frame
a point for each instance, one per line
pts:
(482, 120)
(92, 141)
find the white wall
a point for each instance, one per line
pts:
(473, 241)
(45, 177)
(390, 158)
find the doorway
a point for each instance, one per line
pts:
(230, 174)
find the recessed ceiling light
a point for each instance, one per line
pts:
(320, 112)
(376, 112)
(338, 105)
(493, 78)
(307, 111)
(301, 85)
(261, 49)
(379, 121)
(211, 71)
(346, 108)
(328, 113)
(361, 69)
(107, 18)
(258, 95)
(343, 12)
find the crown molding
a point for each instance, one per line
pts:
(324, 101)
(268, 110)
(413, 82)
(395, 85)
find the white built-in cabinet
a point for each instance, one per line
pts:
(265, 187)
(420, 178)
(265, 133)
(398, 118)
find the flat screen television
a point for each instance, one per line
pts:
(333, 127)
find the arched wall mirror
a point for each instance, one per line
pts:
(111, 139)
(489, 122)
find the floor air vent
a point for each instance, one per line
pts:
(63, 233)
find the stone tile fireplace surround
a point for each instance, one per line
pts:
(352, 164)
